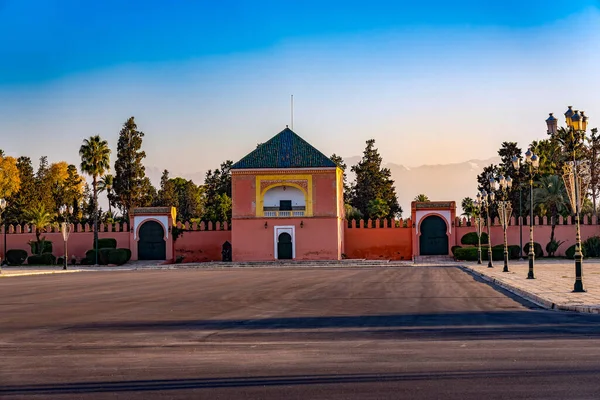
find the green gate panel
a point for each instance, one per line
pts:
(152, 245)
(284, 246)
(433, 240)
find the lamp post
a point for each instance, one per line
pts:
(66, 231)
(533, 162)
(505, 212)
(485, 199)
(478, 226)
(575, 176)
(2, 208)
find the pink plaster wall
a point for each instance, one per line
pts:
(325, 194)
(388, 243)
(317, 240)
(201, 246)
(243, 191)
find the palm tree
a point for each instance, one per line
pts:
(106, 185)
(40, 218)
(551, 194)
(95, 161)
(422, 198)
(468, 207)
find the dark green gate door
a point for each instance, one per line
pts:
(151, 245)
(433, 240)
(284, 246)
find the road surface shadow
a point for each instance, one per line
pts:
(289, 380)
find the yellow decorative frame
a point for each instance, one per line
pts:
(308, 192)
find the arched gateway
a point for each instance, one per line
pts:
(433, 240)
(433, 227)
(152, 245)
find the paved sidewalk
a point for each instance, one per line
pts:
(553, 285)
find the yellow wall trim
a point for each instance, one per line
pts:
(271, 181)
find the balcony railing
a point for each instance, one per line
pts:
(283, 214)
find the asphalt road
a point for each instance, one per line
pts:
(379, 333)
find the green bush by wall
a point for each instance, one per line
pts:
(570, 252)
(591, 247)
(537, 250)
(471, 238)
(44, 259)
(106, 243)
(46, 246)
(16, 256)
(453, 249)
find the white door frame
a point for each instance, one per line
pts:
(278, 230)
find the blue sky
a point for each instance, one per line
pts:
(431, 81)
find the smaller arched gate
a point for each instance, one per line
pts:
(151, 244)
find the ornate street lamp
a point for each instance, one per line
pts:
(576, 177)
(533, 162)
(505, 212)
(66, 230)
(2, 208)
(485, 199)
(478, 225)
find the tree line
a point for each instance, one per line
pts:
(44, 195)
(550, 198)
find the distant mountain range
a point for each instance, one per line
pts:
(443, 182)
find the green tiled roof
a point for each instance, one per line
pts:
(285, 150)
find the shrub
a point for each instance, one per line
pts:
(90, 257)
(470, 253)
(537, 249)
(16, 256)
(513, 250)
(453, 249)
(471, 238)
(60, 261)
(116, 256)
(103, 256)
(46, 247)
(128, 252)
(592, 247)
(44, 259)
(106, 243)
(570, 252)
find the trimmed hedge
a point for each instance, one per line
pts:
(471, 238)
(118, 256)
(537, 250)
(453, 249)
(44, 259)
(106, 243)
(470, 253)
(513, 250)
(107, 256)
(570, 252)
(16, 256)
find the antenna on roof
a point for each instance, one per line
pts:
(292, 112)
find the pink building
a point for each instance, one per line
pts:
(287, 203)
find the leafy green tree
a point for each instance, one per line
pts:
(26, 197)
(352, 213)
(216, 184)
(378, 208)
(167, 195)
(40, 218)
(422, 198)
(373, 182)
(130, 188)
(552, 195)
(95, 161)
(106, 184)
(339, 161)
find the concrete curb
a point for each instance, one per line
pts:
(540, 301)
(4, 275)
